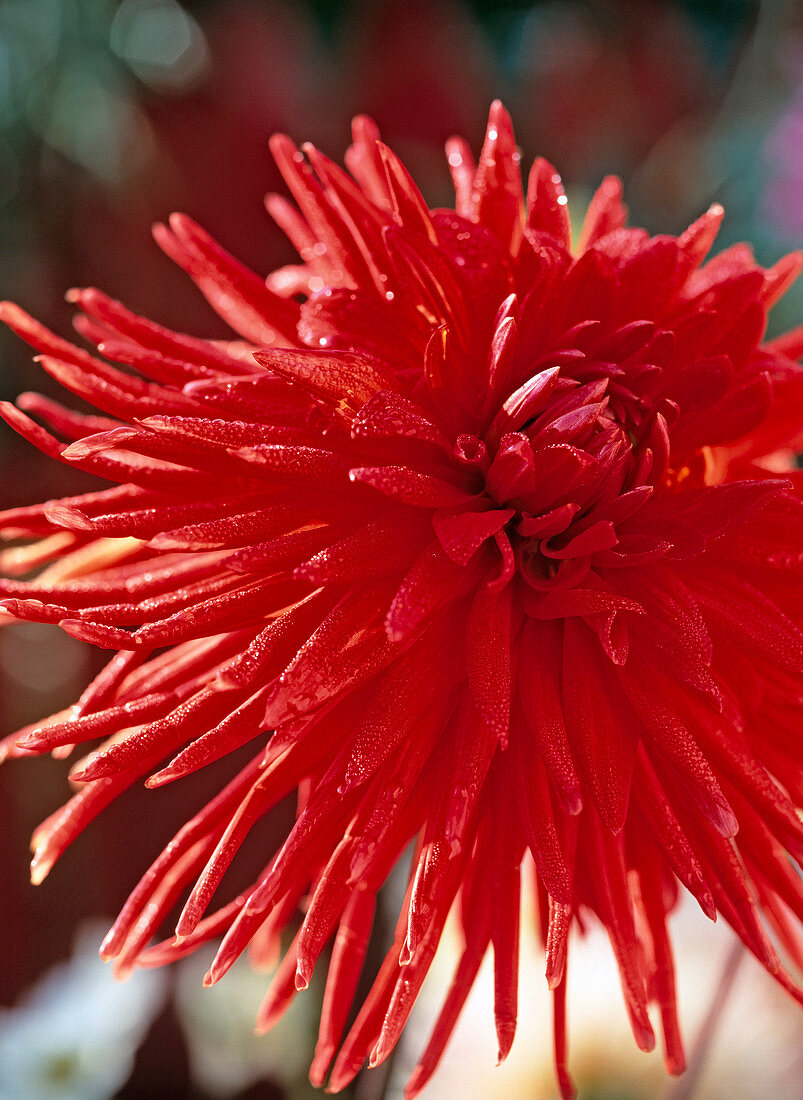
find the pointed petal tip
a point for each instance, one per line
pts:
(186, 925)
(320, 1064)
(418, 1078)
(542, 166)
(108, 949)
(41, 865)
(19, 321)
(160, 779)
(706, 902)
(499, 116)
(181, 223)
(566, 1086)
(123, 970)
(76, 294)
(97, 634)
(505, 1034)
(724, 820)
(675, 1064)
(280, 138)
(393, 633)
(283, 148)
(644, 1035)
(342, 1076)
(364, 129)
(70, 518)
(571, 801)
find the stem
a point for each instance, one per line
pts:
(685, 1087)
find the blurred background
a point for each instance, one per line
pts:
(113, 114)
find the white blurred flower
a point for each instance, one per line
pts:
(75, 1033)
(226, 1055)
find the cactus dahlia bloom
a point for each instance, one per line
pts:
(487, 544)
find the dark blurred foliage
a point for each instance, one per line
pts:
(112, 114)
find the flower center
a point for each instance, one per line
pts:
(560, 471)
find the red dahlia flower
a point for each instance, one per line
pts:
(482, 541)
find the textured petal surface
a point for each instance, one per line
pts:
(491, 551)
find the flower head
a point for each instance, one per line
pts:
(487, 545)
(76, 1032)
